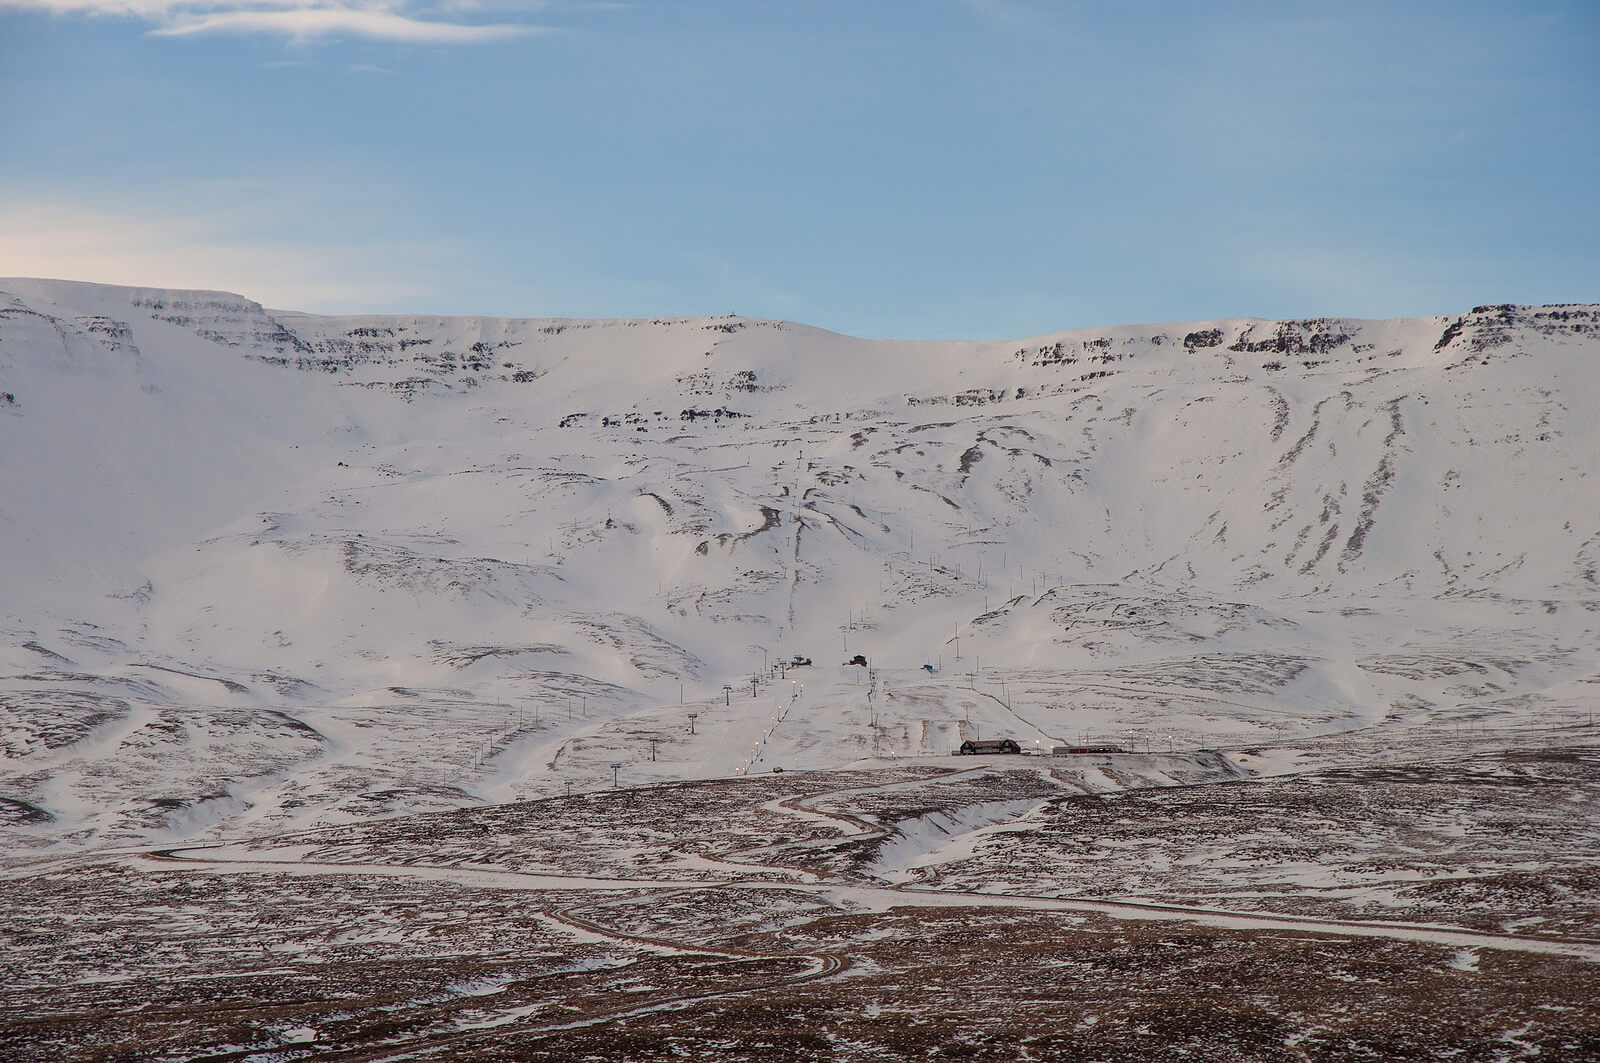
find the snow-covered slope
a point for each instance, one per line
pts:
(260, 566)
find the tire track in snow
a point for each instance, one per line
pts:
(823, 965)
(890, 897)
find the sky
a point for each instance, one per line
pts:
(912, 169)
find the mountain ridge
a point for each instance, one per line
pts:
(1235, 530)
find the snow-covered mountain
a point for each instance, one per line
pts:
(262, 567)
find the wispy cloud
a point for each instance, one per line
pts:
(398, 21)
(308, 22)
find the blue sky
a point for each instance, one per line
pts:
(978, 169)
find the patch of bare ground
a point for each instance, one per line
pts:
(1502, 842)
(425, 938)
(646, 831)
(497, 982)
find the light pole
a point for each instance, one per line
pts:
(692, 717)
(616, 766)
